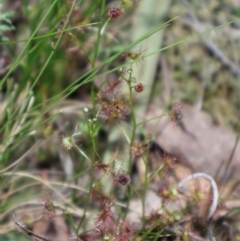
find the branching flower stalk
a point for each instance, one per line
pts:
(213, 206)
(134, 122)
(129, 82)
(91, 129)
(91, 124)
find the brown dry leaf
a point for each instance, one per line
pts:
(200, 144)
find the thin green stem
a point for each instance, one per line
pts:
(146, 182)
(91, 130)
(134, 122)
(101, 25)
(134, 127)
(88, 198)
(154, 118)
(82, 153)
(49, 34)
(92, 135)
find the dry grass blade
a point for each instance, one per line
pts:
(21, 105)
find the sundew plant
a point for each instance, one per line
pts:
(77, 80)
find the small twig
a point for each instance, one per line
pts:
(213, 206)
(30, 233)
